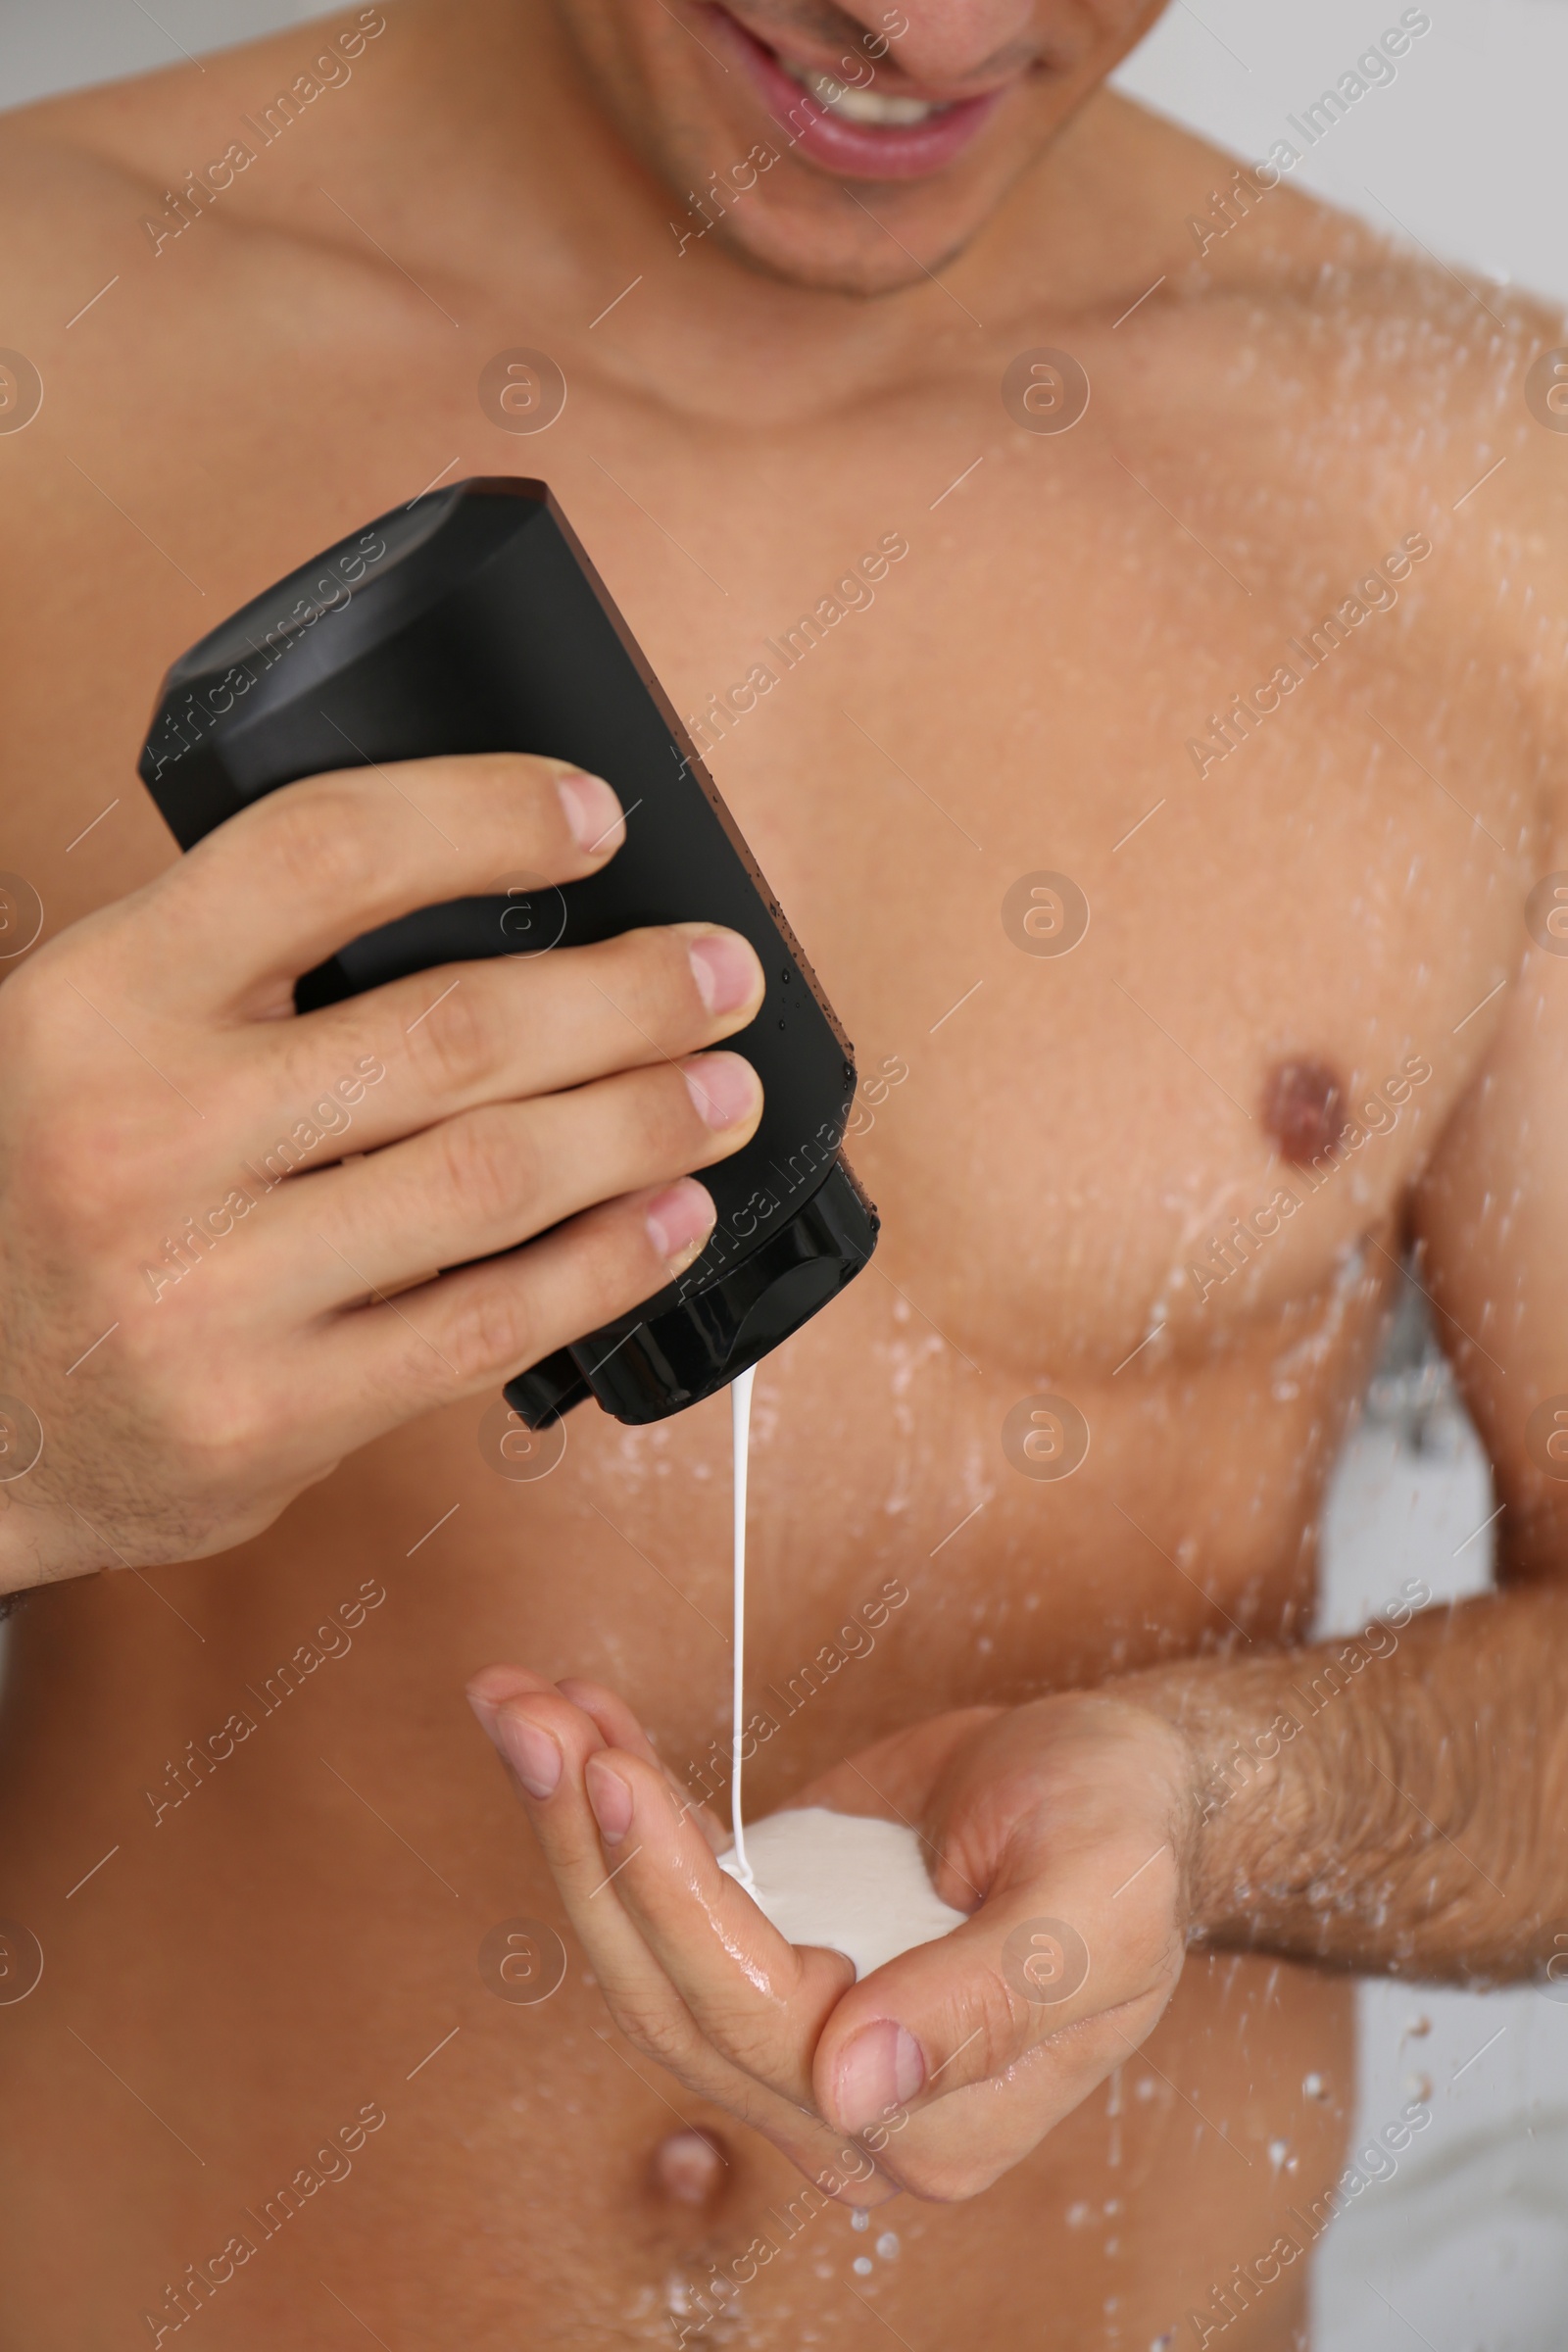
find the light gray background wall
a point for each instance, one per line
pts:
(1466, 2250)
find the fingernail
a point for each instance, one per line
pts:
(611, 1800)
(592, 809)
(723, 1086)
(679, 1221)
(530, 1752)
(724, 969)
(881, 2067)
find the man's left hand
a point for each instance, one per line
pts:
(1064, 1827)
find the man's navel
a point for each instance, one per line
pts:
(690, 2170)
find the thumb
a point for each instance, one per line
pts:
(1080, 1918)
(958, 2011)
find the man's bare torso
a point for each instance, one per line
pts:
(1054, 1142)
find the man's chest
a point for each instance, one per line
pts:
(1011, 743)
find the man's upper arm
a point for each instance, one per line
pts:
(1492, 1209)
(1493, 1216)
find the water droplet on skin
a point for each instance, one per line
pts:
(887, 2245)
(1278, 2150)
(1315, 2088)
(1077, 2215)
(861, 2218)
(862, 2266)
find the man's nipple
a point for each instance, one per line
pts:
(690, 2169)
(1302, 1107)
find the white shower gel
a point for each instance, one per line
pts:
(740, 1425)
(843, 1879)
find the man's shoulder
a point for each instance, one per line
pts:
(154, 278)
(93, 186)
(70, 184)
(112, 179)
(1360, 305)
(1305, 393)
(1342, 374)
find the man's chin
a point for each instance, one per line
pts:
(867, 238)
(822, 255)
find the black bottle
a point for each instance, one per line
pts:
(471, 621)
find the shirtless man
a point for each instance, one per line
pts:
(1263, 649)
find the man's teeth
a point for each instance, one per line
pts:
(861, 105)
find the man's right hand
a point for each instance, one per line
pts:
(196, 1338)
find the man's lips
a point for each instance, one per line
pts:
(854, 150)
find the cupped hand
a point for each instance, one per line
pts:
(1064, 1829)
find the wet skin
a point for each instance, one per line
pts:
(1052, 1142)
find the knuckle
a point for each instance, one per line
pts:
(461, 1040)
(43, 1031)
(746, 2041)
(78, 1182)
(531, 773)
(205, 1419)
(518, 787)
(491, 1331)
(328, 1089)
(229, 1428)
(665, 1128)
(992, 2020)
(666, 1139)
(656, 2031)
(639, 1121)
(485, 1166)
(314, 842)
(24, 997)
(80, 1145)
(614, 1260)
(651, 976)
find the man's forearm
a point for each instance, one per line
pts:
(1393, 1802)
